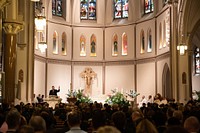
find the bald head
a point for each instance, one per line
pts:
(191, 124)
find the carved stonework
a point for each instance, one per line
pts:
(88, 74)
(12, 27)
(4, 3)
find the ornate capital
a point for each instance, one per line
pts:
(12, 27)
(4, 3)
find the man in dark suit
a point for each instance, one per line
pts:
(54, 91)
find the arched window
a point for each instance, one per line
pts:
(57, 7)
(197, 60)
(142, 44)
(55, 42)
(120, 8)
(115, 45)
(164, 34)
(124, 44)
(64, 42)
(149, 46)
(88, 9)
(93, 45)
(148, 6)
(160, 36)
(82, 46)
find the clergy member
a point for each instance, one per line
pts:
(53, 91)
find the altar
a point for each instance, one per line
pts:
(52, 101)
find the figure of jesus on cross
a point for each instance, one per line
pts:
(88, 74)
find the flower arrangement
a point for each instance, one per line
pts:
(71, 93)
(133, 94)
(117, 98)
(83, 98)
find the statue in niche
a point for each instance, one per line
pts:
(89, 75)
(93, 47)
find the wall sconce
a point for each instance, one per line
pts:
(42, 46)
(182, 48)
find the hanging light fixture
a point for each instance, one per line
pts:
(182, 48)
(40, 19)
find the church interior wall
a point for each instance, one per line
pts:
(145, 79)
(87, 32)
(60, 29)
(22, 66)
(120, 77)
(96, 84)
(58, 74)
(145, 26)
(109, 33)
(39, 77)
(160, 67)
(160, 20)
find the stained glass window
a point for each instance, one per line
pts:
(148, 6)
(93, 45)
(197, 60)
(64, 47)
(149, 48)
(55, 42)
(88, 9)
(57, 7)
(82, 46)
(120, 8)
(142, 45)
(124, 44)
(115, 45)
(165, 2)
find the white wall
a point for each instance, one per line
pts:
(59, 75)
(146, 80)
(39, 77)
(119, 76)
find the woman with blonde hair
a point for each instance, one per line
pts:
(108, 129)
(145, 126)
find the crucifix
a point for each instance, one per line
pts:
(88, 74)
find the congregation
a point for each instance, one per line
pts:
(100, 118)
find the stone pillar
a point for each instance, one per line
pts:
(11, 27)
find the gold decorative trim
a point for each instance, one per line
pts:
(4, 3)
(12, 27)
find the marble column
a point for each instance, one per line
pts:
(11, 27)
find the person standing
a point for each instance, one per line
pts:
(53, 91)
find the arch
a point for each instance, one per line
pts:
(93, 45)
(166, 82)
(142, 43)
(124, 44)
(64, 44)
(149, 37)
(115, 45)
(160, 36)
(55, 42)
(82, 45)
